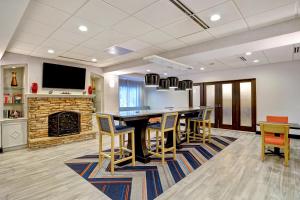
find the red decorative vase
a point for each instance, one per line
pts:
(90, 90)
(34, 88)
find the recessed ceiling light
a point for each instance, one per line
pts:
(14, 67)
(215, 17)
(148, 70)
(202, 68)
(165, 74)
(256, 61)
(83, 28)
(248, 53)
(51, 51)
(94, 60)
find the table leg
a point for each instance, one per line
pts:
(141, 151)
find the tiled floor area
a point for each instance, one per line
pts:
(235, 173)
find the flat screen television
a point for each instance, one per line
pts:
(63, 77)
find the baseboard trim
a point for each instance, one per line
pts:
(293, 136)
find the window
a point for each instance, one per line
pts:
(131, 93)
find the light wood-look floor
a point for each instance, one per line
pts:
(235, 173)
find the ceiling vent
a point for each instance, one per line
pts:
(189, 13)
(76, 59)
(243, 59)
(296, 49)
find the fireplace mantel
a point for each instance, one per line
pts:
(58, 96)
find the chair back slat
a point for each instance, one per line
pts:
(105, 123)
(282, 129)
(169, 121)
(282, 119)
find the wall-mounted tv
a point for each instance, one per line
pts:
(63, 77)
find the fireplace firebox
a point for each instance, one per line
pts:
(63, 123)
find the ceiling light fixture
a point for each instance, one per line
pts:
(51, 51)
(152, 80)
(256, 61)
(167, 62)
(249, 53)
(165, 74)
(148, 70)
(83, 28)
(202, 68)
(116, 50)
(94, 60)
(215, 17)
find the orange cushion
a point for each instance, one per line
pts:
(154, 120)
(274, 140)
(278, 119)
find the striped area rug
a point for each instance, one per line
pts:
(147, 181)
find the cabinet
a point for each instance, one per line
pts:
(13, 126)
(14, 133)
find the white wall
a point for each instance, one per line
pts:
(277, 87)
(35, 69)
(161, 99)
(111, 93)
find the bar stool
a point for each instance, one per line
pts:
(107, 127)
(204, 125)
(168, 123)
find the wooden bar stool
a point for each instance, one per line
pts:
(203, 123)
(168, 124)
(107, 127)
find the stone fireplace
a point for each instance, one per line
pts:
(63, 123)
(58, 119)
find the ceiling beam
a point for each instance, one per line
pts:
(11, 12)
(272, 36)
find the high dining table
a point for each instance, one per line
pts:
(139, 120)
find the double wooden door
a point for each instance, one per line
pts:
(234, 103)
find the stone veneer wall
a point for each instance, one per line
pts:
(39, 108)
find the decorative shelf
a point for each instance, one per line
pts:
(13, 88)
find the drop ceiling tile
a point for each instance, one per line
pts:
(28, 38)
(273, 16)
(101, 13)
(149, 51)
(35, 27)
(254, 7)
(160, 14)
(69, 6)
(182, 28)
(133, 27)
(55, 44)
(18, 51)
(134, 45)
(155, 37)
(228, 29)
(69, 37)
(81, 50)
(21, 46)
(196, 38)
(280, 54)
(130, 6)
(73, 24)
(171, 45)
(259, 55)
(112, 36)
(45, 14)
(200, 5)
(213, 64)
(228, 12)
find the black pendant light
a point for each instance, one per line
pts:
(173, 82)
(151, 80)
(164, 84)
(188, 84)
(181, 86)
